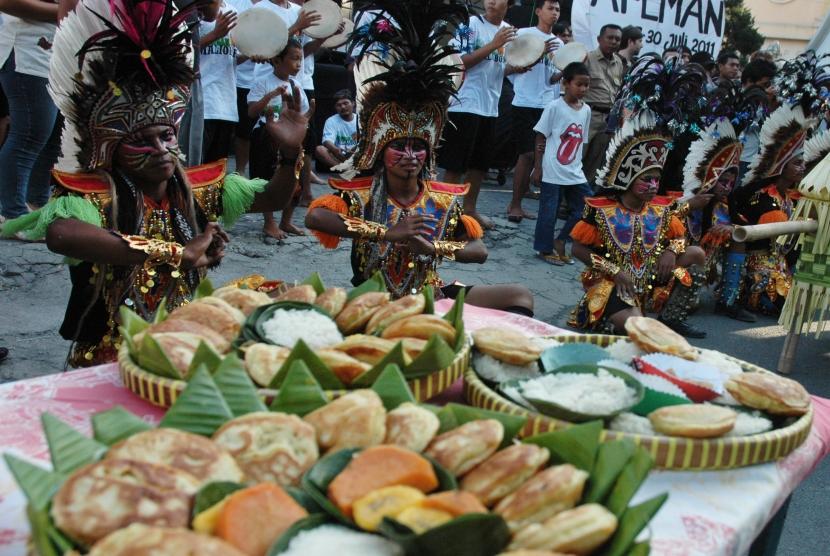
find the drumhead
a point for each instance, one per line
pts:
(524, 50)
(259, 32)
(330, 18)
(341, 38)
(568, 54)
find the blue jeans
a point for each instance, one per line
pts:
(549, 199)
(33, 144)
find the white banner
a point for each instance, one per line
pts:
(697, 24)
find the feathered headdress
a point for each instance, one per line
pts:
(117, 67)
(659, 102)
(413, 74)
(816, 147)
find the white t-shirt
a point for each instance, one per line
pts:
(306, 76)
(27, 38)
(217, 71)
(341, 132)
(245, 70)
(289, 15)
(267, 84)
(482, 83)
(533, 88)
(565, 131)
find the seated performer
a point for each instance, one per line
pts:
(403, 224)
(138, 228)
(629, 238)
(339, 132)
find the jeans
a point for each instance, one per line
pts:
(549, 207)
(33, 144)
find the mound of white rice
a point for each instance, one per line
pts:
(490, 368)
(618, 366)
(335, 539)
(624, 350)
(545, 343)
(719, 361)
(592, 394)
(515, 395)
(748, 424)
(317, 330)
(693, 371)
(632, 424)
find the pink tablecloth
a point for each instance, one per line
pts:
(716, 513)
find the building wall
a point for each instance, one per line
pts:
(788, 23)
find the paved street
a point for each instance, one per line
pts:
(34, 288)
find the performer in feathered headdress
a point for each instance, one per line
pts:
(402, 223)
(629, 238)
(137, 227)
(767, 192)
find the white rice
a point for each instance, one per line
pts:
(545, 343)
(632, 424)
(719, 361)
(285, 327)
(624, 350)
(592, 394)
(514, 394)
(618, 366)
(660, 384)
(490, 368)
(748, 424)
(335, 539)
(693, 371)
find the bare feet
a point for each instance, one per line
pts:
(318, 180)
(271, 229)
(305, 201)
(291, 229)
(485, 222)
(515, 214)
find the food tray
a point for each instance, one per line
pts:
(163, 392)
(668, 452)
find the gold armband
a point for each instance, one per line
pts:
(682, 210)
(158, 252)
(364, 228)
(447, 249)
(604, 265)
(677, 246)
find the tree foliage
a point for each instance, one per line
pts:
(740, 33)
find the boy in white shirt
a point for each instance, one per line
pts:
(533, 90)
(244, 81)
(561, 133)
(340, 134)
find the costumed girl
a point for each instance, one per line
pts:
(629, 238)
(403, 224)
(139, 230)
(767, 193)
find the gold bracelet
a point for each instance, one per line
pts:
(363, 228)
(447, 249)
(603, 265)
(677, 246)
(682, 210)
(298, 166)
(158, 252)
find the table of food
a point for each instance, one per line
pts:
(263, 420)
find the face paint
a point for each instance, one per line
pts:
(647, 184)
(139, 152)
(404, 153)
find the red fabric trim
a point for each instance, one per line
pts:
(661, 201)
(452, 188)
(82, 183)
(207, 174)
(600, 202)
(351, 185)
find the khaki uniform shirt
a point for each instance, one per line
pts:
(606, 80)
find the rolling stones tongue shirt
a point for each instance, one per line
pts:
(566, 131)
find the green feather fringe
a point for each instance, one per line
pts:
(238, 197)
(33, 226)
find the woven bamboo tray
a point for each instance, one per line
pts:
(163, 392)
(669, 452)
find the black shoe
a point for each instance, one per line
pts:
(734, 311)
(4, 352)
(685, 329)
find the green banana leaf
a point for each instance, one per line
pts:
(321, 372)
(316, 282)
(429, 296)
(311, 522)
(374, 284)
(40, 523)
(300, 393)
(629, 481)
(631, 523)
(392, 388)
(204, 355)
(455, 316)
(131, 324)
(161, 312)
(437, 355)
(69, 448)
(612, 458)
(577, 445)
(446, 418)
(200, 408)
(467, 535)
(568, 355)
(213, 493)
(236, 387)
(153, 359)
(61, 541)
(640, 549)
(37, 483)
(204, 289)
(464, 414)
(116, 424)
(394, 357)
(302, 498)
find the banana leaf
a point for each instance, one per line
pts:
(429, 297)
(455, 316)
(467, 535)
(395, 357)
(69, 448)
(200, 408)
(392, 388)
(61, 541)
(612, 458)
(321, 372)
(40, 523)
(640, 549)
(571, 354)
(37, 483)
(204, 289)
(116, 424)
(236, 387)
(629, 482)
(577, 445)
(437, 355)
(300, 393)
(464, 414)
(316, 282)
(631, 523)
(447, 419)
(131, 324)
(311, 522)
(153, 359)
(253, 325)
(213, 493)
(161, 311)
(302, 498)
(374, 284)
(204, 355)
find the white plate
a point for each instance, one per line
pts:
(524, 50)
(329, 21)
(259, 32)
(568, 54)
(340, 38)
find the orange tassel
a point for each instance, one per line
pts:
(773, 216)
(676, 228)
(333, 203)
(586, 234)
(472, 227)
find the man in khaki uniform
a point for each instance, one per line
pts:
(607, 70)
